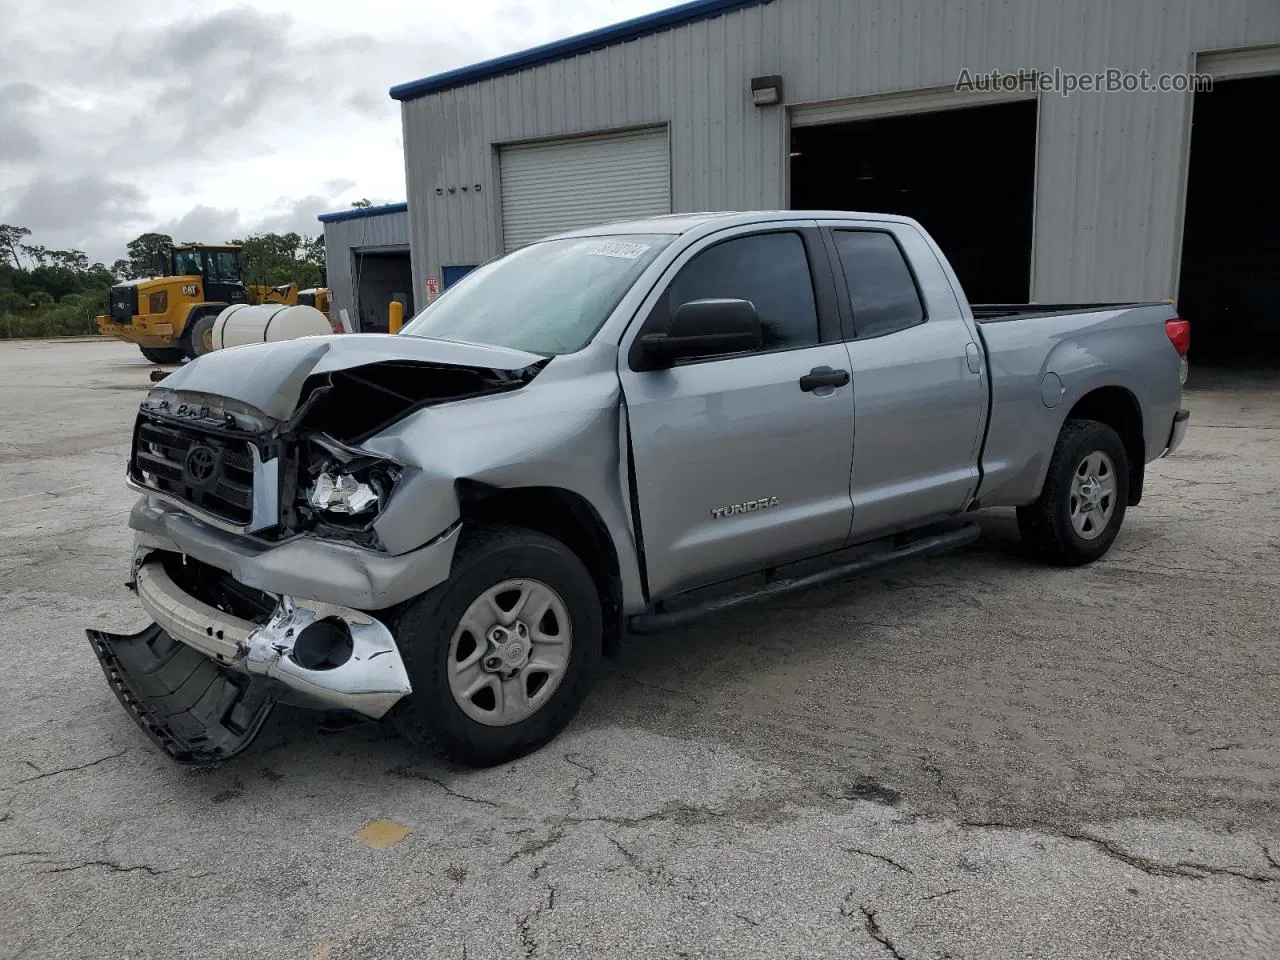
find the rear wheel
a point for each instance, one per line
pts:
(1081, 507)
(502, 654)
(197, 339)
(163, 354)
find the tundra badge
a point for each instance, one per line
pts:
(719, 513)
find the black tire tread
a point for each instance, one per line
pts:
(432, 721)
(1045, 530)
(189, 338)
(165, 355)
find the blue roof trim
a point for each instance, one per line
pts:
(572, 46)
(358, 213)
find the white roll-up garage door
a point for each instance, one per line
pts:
(557, 185)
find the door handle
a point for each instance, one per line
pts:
(972, 357)
(823, 377)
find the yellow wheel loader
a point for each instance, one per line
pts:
(319, 297)
(171, 315)
(290, 295)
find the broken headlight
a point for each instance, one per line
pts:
(341, 486)
(337, 492)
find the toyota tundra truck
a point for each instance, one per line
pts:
(609, 432)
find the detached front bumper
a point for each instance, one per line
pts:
(195, 710)
(201, 682)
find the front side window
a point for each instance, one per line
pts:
(882, 291)
(548, 298)
(769, 269)
(186, 263)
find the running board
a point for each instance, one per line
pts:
(656, 621)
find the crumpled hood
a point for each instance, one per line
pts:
(270, 376)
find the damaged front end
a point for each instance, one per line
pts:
(201, 680)
(262, 539)
(245, 470)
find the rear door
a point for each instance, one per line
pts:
(736, 466)
(919, 385)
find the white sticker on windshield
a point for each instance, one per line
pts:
(615, 248)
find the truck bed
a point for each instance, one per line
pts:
(999, 312)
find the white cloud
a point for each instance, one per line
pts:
(209, 116)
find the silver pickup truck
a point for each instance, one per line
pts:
(615, 430)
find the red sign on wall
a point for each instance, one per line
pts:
(433, 289)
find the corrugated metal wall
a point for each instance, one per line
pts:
(340, 238)
(1111, 167)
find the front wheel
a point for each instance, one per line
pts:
(1081, 506)
(502, 654)
(197, 339)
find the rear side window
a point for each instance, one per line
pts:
(881, 289)
(769, 269)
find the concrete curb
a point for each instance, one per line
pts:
(75, 339)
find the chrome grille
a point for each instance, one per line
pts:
(202, 469)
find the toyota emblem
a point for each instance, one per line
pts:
(200, 464)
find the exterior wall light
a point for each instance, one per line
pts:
(766, 91)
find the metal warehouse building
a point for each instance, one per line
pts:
(852, 104)
(366, 253)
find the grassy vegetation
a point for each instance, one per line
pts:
(72, 316)
(48, 293)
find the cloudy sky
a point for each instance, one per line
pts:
(209, 119)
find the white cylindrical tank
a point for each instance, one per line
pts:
(241, 323)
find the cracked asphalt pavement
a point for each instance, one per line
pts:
(969, 756)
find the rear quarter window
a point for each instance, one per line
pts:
(882, 291)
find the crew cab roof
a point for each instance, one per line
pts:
(679, 223)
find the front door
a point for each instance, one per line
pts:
(222, 283)
(738, 464)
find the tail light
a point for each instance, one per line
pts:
(1179, 332)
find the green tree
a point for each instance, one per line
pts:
(313, 253)
(47, 292)
(362, 203)
(143, 251)
(10, 241)
(36, 254)
(277, 258)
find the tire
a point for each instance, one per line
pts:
(435, 645)
(195, 336)
(163, 354)
(1055, 527)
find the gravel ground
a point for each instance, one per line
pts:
(970, 756)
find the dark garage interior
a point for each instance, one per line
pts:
(381, 277)
(968, 175)
(1230, 280)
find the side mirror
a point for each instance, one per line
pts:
(703, 328)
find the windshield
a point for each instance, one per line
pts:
(548, 298)
(186, 263)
